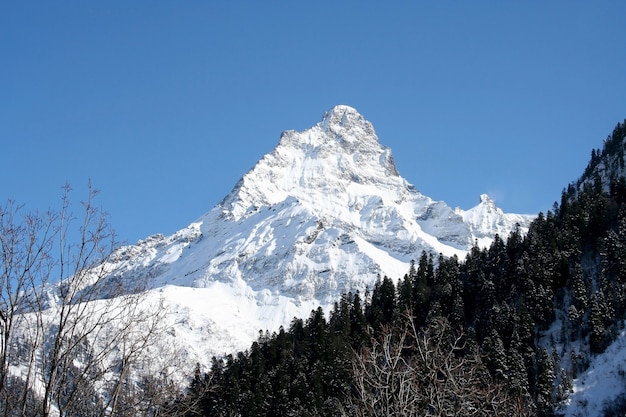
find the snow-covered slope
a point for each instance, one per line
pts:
(602, 384)
(325, 212)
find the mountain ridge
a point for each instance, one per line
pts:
(326, 212)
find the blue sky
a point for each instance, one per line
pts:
(165, 105)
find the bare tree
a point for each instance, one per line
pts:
(25, 246)
(74, 340)
(427, 373)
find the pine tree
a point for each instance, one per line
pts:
(495, 356)
(383, 304)
(358, 329)
(422, 289)
(517, 374)
(599, 315)
(405, 291)
(545, 383)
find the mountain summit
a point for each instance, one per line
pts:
(325, 212)
(324, 161)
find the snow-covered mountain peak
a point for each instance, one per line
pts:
(317, 165)
(486, 220)
(324, 213)
(342, 129)
(487, 201)
(344, 117)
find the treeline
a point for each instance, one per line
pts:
(450, 338)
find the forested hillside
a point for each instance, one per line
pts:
(502, 332)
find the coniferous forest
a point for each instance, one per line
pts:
(502, 332)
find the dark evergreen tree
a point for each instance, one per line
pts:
(382, 307)
(422, 287)
(599, 319)
(545, 384)
(358, 325)
(405, 293)
(517, 377)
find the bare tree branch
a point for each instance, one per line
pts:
(410, 372)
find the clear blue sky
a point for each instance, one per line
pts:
(165, 105)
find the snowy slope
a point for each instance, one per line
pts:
(325, 212)
(601, 384)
